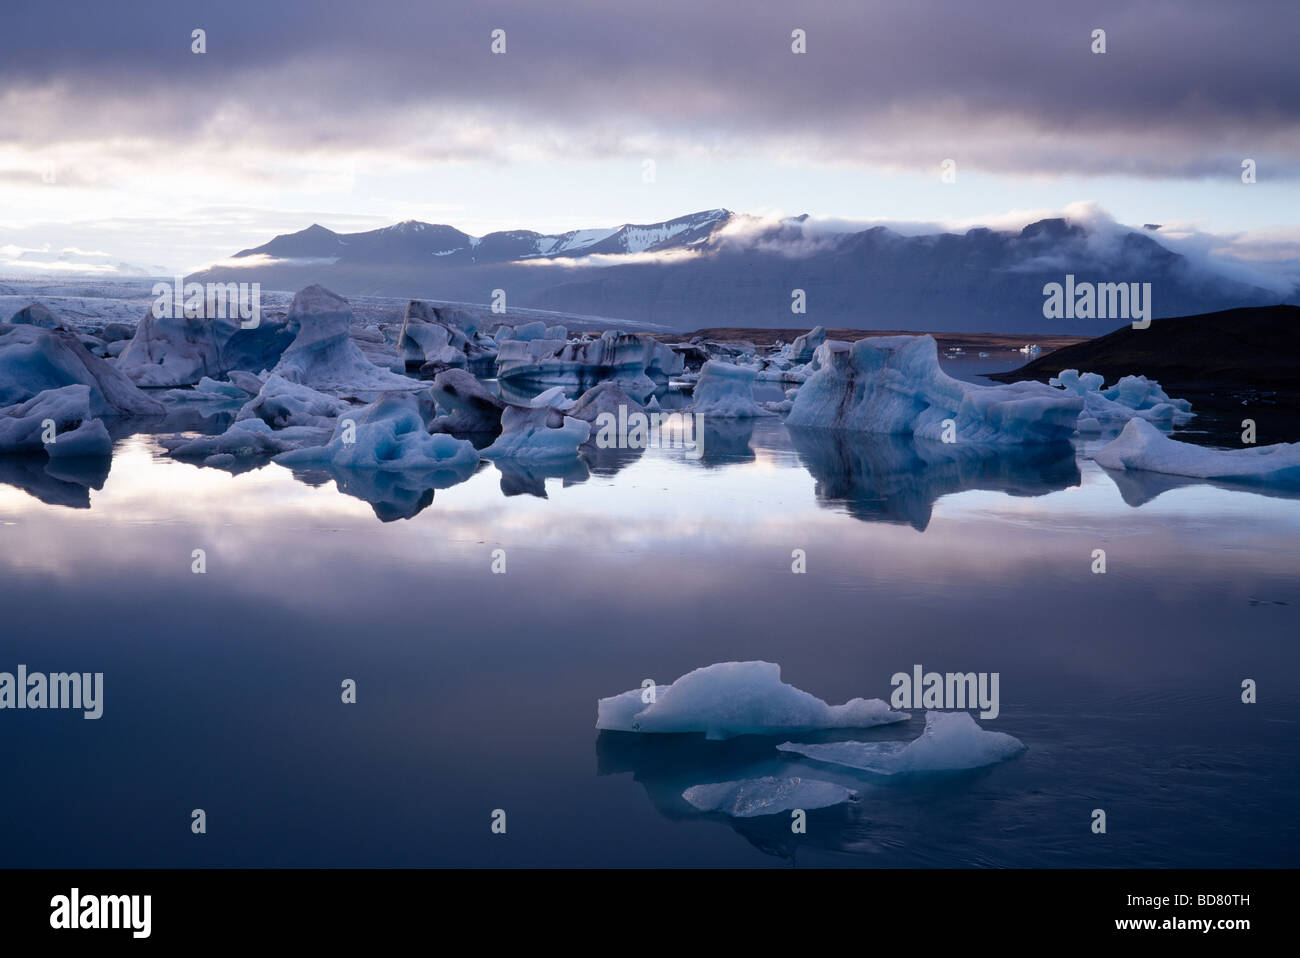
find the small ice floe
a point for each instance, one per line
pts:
(244, 440)
(952, 741)
(208, 390)
(389, 434)
(894, 385)
(1033, 349)
(726, 391)
(34, 359)
(1133, 397)
(752, 797)
(735, 698)
(57, 422)
(1142, 446)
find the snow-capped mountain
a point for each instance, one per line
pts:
(718, 268)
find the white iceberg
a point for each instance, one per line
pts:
(1143, 446)
(735, 698)
(752, 797)
(76, 433)
(726, 391)
(894, 385)
(1133, 397)
(952, 741)
(388, 434)
(34, 360)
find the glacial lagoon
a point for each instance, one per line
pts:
(477, 690)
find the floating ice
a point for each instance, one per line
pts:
(893, 384)
(726, 391)
(388, 434)
(24, 426)
(802, 349)
(323, 354)
(37, 314)
(537, 433)
(280, 403)
(33, 360)
(469, 406)
(1132, 397)
(245, 439)
(181, 350)
(623, 357)
(736, 698)
(751, 797)
(1143, 446)
(951, 741)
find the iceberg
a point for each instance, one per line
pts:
(894, 385)
(726, 391)
(1132, 397)
(751, 797)
(469, 406)
(1142, 446)
(281, 403)
(37, 314)
(323, 355)
(181, 350)
(623, 357)
(246, 439)
(388, 434)
(24, 426)
(33, 360)
(538, 433)
(951, 741)
(736, 698)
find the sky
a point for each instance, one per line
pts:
(118, 143)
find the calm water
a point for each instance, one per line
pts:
(478, 691)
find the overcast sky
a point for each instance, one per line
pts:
(357, 115)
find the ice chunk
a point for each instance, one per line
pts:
(1143, 446)
(24, 427)
(751, 797)
(33, 360)
(951, 741)
(323, 354)
(180, 350)
(893, 384)
(388, 434)
(37, 314)
(246, 439)
(280, 403)
(1132, 397)
(726, 391)
(623, 357)
(469, 406)
(537, 433)
(736, 698)
(800, 352)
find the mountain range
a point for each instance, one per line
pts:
(718, 268)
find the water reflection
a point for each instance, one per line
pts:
(56, 482)
(880, 478)
(393, 495)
